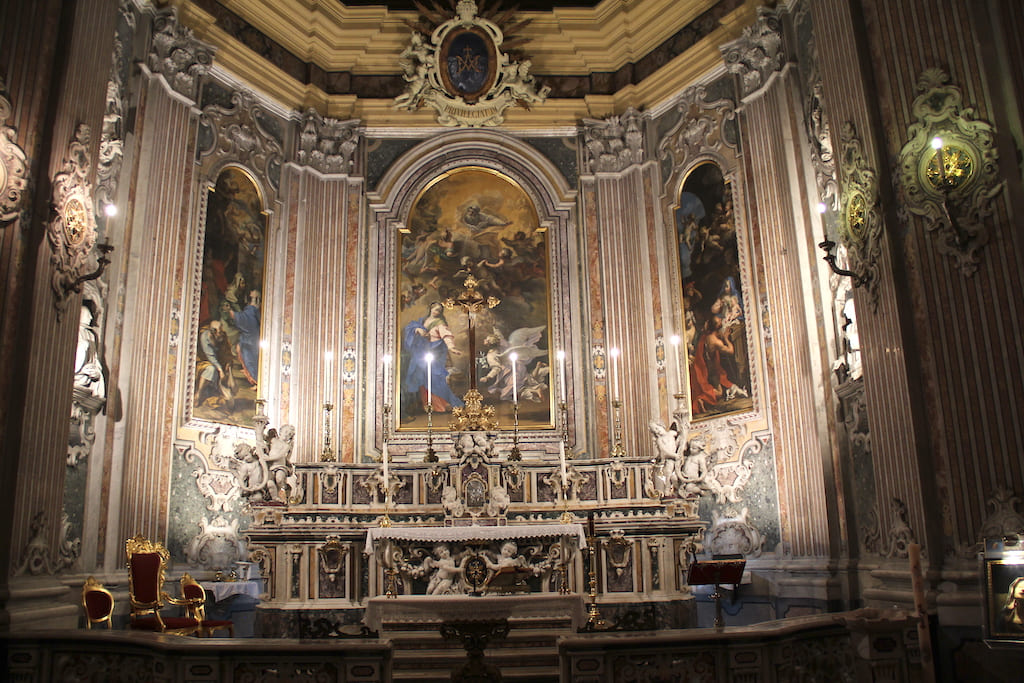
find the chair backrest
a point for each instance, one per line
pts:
(147, 561)
(98, 603)
(195, 596)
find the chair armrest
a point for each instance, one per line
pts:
(170, 599)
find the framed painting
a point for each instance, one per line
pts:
(228, 339)
(714, 308)
(473, 222)
(1004, 598)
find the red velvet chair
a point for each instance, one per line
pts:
(146, 564)
(98, 603)
(194, 596)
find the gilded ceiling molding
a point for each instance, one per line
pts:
(615, 143)
(178, 56)
(328, 145)
(458, 68)
(861, 222)
(950, 183)
(72, 228)
(243, 134)
(13, 166)
(758, 53)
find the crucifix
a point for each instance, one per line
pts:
(473, 417)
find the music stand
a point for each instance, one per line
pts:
(714, 572)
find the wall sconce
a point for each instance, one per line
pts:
(830, 256)
(948, 170)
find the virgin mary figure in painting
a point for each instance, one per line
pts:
(429, 334)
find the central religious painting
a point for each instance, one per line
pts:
(473, 223)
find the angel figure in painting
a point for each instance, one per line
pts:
(523, 342)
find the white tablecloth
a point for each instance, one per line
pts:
(432, 534)
(225, 589)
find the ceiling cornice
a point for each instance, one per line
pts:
(561, 39)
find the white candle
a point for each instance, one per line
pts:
(674, 339)
(430, 361)
(561, 377)
(515, 391)
(387, 373)
(329, 357)
(614, 352)
(561, 462)
(384, 456)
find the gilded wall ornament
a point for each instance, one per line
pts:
(13, 166)
(459, 64)
(72, 228)
(860, 222)
(948, 170)
(758, 53)
(614, 143)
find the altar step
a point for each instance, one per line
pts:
(528, 653)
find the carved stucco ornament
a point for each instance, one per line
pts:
(327, 145)
(13, 166)
(242, 134)
(614, 143)
(455, 63)
(952, 187)
(861, 222)
(758, 53)
(178, 56)
(72, 228)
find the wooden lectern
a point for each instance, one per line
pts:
(716, 571)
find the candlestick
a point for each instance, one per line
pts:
(515, 391)
(674, 340)
(614, 353)
(561, 376)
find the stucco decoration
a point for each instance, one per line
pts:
(951, 187)
(218, 486)
(242, 134)
(457, 64)
(614, 143)
(732, 533)
(758, 53)
(111, 154)
(899, 536)
(328, 145)
(89, 393)
(699, 132)
(217, 545)
(861, 222)
(1004, 518)
(13, 166)
(178, 56)
(37, 557)
(71, 231)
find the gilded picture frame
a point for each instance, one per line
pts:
(473, 221)
(1004, 599)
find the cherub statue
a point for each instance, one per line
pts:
(249, 469)
(671, 445)
(277, 459)
(445, 572)
(507, 558)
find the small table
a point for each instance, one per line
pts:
(221, 590)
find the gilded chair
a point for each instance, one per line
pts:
(194, 595)
(147, 561)
(98, 603)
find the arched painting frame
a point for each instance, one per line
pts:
(230, 301)
(714, 303)
(473, 221)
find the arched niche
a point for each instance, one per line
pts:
(230, 278)
(524, 170)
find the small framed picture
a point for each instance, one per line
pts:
(1004, 599)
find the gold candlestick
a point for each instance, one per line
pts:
(431, 456)
(385, 477)
(514, 454)
(328, 454)
(595, 622)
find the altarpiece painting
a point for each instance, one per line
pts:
(473, 222)
(713, 301)
(228, 340)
